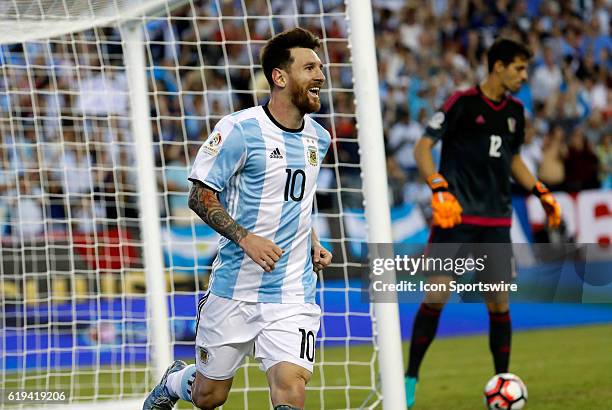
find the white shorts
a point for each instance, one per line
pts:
(228, 330)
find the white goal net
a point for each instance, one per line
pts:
(74, 296)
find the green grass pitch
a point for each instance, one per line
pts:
(564, 368)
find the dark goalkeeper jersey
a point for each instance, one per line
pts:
(479, 138)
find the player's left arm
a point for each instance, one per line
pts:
(321, 257)
(521, 173)
(525, 178)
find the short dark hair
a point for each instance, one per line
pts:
(277, 51)
(506, 50)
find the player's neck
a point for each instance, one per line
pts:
(492, 88)
(285, 113)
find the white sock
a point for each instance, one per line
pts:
(179, 383)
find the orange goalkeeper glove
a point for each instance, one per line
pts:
(446, 211)
(549, 203)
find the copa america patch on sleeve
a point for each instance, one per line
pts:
(436, 120)
(211, 146)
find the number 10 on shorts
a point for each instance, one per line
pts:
(307, 348)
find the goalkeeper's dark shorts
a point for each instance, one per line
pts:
(489, 248)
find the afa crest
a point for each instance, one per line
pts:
(313, 156)
(511, 124)
(203, 353)
(211, 146)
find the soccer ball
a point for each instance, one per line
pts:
(505, 391)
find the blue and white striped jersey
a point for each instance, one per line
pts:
(266, 178)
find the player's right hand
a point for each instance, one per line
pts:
(446, 211)
(262, 251)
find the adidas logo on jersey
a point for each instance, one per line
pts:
(276, 154)
(480, 120)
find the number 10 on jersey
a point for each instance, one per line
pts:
(295, 177)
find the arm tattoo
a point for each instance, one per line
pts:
(205, 204)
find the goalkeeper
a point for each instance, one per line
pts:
(481, 130)
(254, 182)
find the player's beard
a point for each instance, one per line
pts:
(514, 86)
(300, 97)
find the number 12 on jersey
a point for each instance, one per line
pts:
(496, 143)
(291, 182)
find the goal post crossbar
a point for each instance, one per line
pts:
(71, 17)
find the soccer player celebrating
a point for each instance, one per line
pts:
(254, 182)
(481, 129)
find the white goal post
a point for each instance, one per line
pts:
(371, 140)
(99, 261)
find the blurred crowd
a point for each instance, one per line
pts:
(66, 148)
